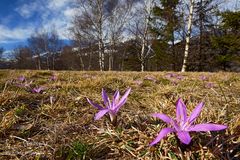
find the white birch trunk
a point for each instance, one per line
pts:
(188, 36)
(39, 62)
(110, 58)
(81, 61)
(101, 55)
(142, 59)
(100, 34)
(143, 54)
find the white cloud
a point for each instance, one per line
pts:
(18, 33)
(57, 13)
(230, 5)
(69, 12)
(28, 9)
(58, 4)
(62, 12)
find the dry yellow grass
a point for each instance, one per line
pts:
(33, 128)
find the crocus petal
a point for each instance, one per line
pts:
(184, 137)
(116, 95)
(115, 98)
(118, 106)
(37, 90)
(100, 114)
(207, 127)
(181, 111)
(94, 104)
(123, 100)
(161, 135)
(163, 117)
(105, 98)
(125, 95)
(195, 113)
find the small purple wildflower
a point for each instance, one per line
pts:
(179, 77)
(138, 82)
(203, 78)
(183, 124)
(110, 107)
(151, 78)
(53, 77)
(209, 85)
(21, 78)
(37, 89)
(174, 77)
(170, 75)
(23, 83)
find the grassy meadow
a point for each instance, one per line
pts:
(58, 123)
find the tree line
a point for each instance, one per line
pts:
(139, 35)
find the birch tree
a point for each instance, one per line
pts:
(44, 43)
(189, 27)
(54, 45)
(37, 43)
(119, 16)
(141, 30)
(89, 23)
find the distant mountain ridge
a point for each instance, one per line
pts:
(11, 45)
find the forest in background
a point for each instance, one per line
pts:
(145, 35)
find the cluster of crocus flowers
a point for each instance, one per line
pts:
(174, 75)
(170, 75)
(184, 124)
(111, 107)
(28, 85)
(207, 84)
(174, 78)
(22, 82)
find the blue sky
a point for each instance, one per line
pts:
(20, 18)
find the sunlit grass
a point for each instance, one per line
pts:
(33, 127)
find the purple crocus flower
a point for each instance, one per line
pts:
(209, 85)
(110, 107)
(179, 77)
(183, 124)
(23, 83)
(203, 78)
(150, 78)
(37, 89)
(170, 75)
(21, 78)
(53, 77)
(138, 82)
